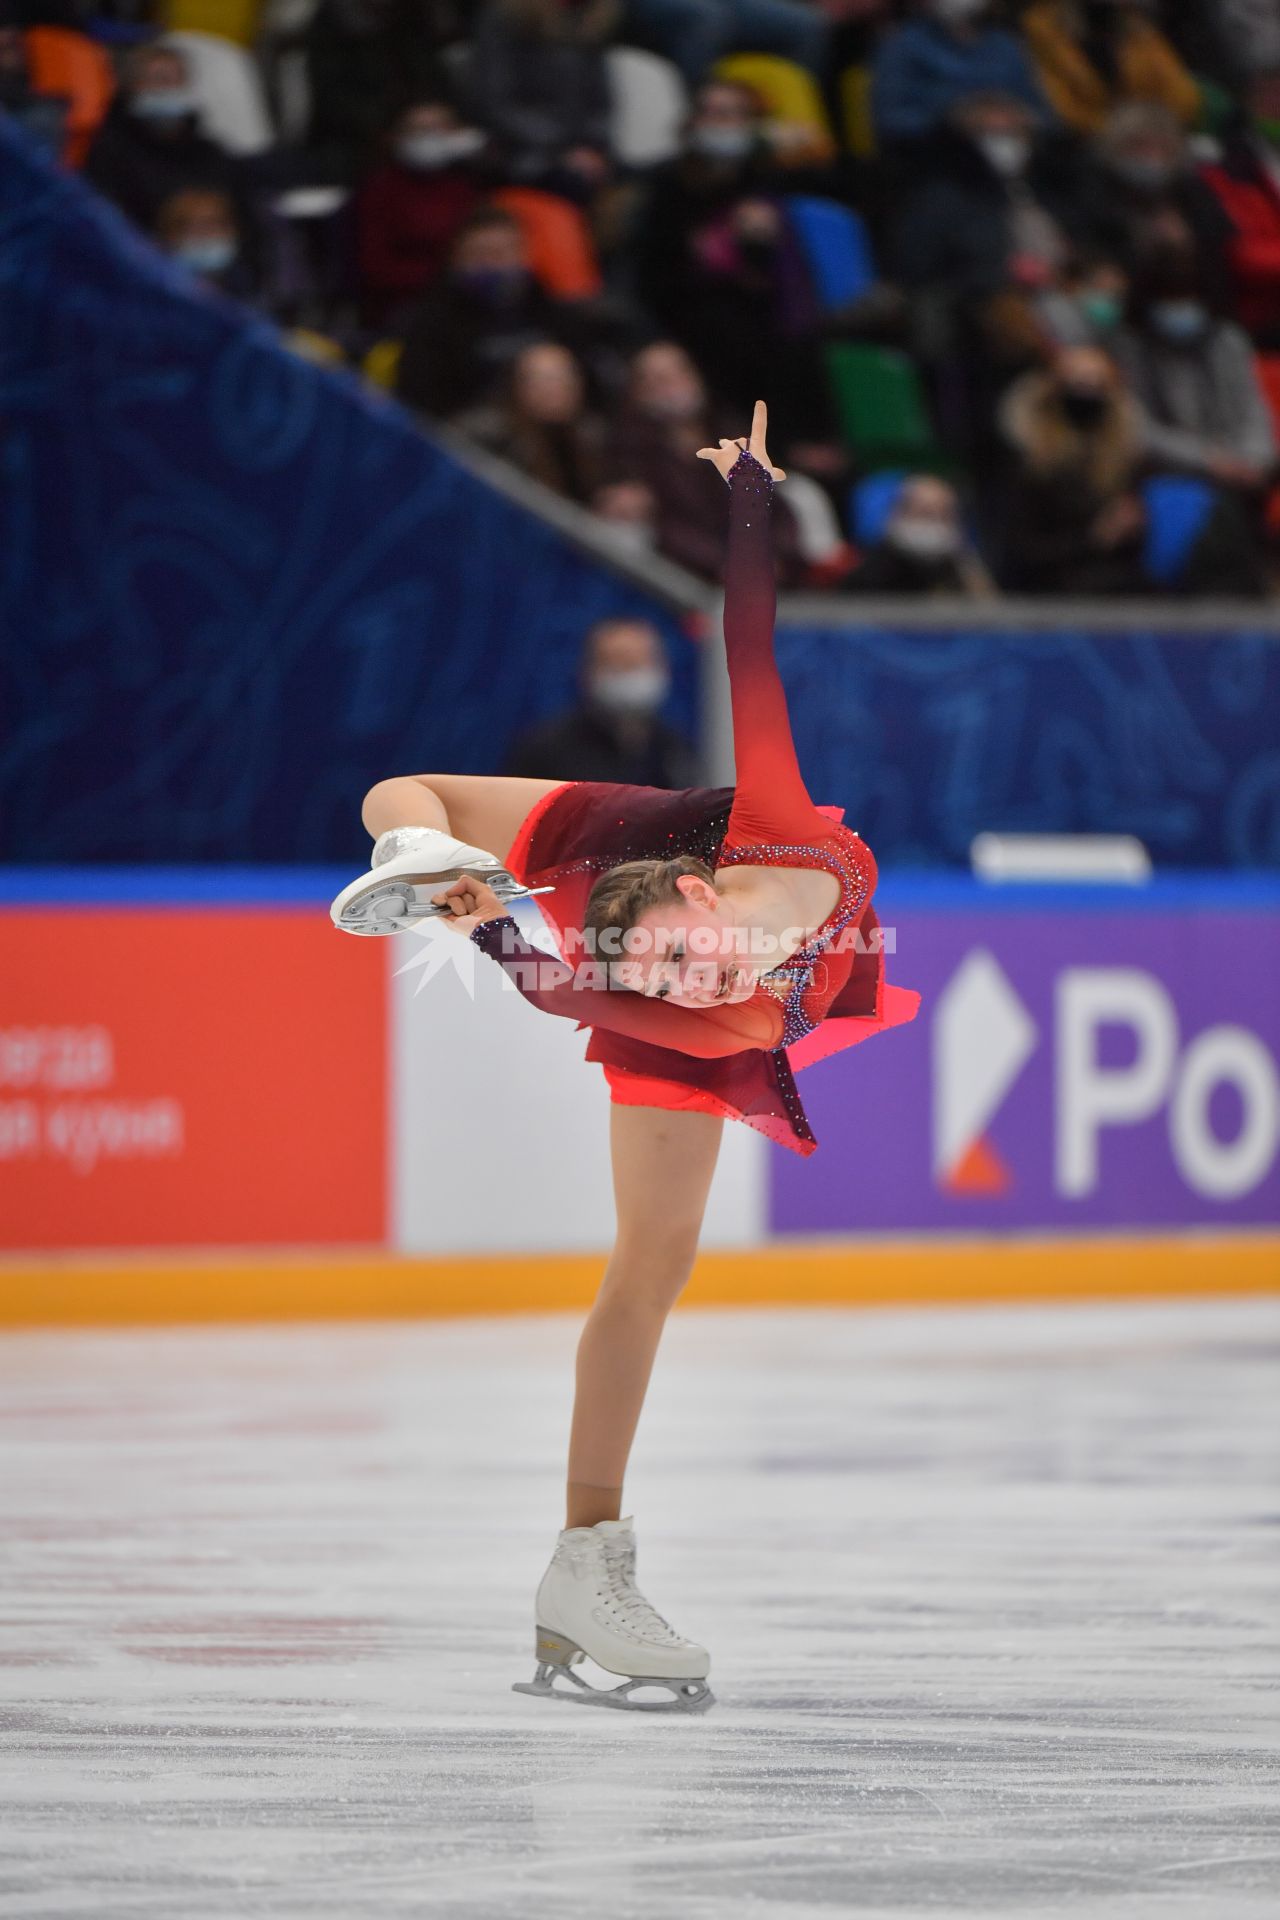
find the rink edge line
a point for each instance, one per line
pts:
(164, 1289)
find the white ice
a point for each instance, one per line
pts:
(991, 1598)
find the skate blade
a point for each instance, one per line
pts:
(687, 1696)
(399, 903)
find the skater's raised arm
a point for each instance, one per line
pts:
(593, 996)
(771, 801)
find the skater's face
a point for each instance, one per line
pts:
(690, 951)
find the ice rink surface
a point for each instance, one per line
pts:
(991, 1598)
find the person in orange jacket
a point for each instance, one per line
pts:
(1091, 55)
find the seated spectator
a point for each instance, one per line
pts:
(983, 238)
(364, 59)
(694, 33)
(924, 548)
(461, 341)
(1246, 184)
(150, 144)
(411, 206)
(1093, 55)
(1194, 375)
(628, 517)
(542, 425)
(1226, 40)
(665, 417)
(924, 68)
(1086, 304)
(716, 266)
(537, 80)
(616, 732)
(43, 115)
(1145, 193)
(997, 213)
(1072, 521)
(198, 228)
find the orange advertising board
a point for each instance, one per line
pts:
(189, 1075)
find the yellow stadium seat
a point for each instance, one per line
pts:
(227, 19)
(855, 110)
(318, 348)
(382, 362)
(788, 93)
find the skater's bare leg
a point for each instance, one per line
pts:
(483, 810)
(662, 1169)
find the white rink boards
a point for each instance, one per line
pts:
(991, 1597)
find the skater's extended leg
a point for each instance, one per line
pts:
(428, 830)
(485, 810)
(662, 1169)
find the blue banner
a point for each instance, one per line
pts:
(237, 589)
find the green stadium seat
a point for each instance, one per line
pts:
(881, 407)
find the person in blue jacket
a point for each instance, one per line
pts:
(926, 66)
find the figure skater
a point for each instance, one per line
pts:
(713, 940)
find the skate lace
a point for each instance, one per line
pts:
(639, 1613)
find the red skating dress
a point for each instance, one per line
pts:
(738, 1061)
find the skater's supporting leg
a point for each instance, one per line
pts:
(662, 1169)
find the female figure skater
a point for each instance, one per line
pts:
(725, 936)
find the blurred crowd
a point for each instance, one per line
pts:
(1008, 275)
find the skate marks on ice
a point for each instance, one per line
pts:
(991, 1600)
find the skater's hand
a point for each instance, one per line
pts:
(469, 902)
(724, 457)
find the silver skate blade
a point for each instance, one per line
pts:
(688, 1696)
(396, 904)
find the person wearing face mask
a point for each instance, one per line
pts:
(717, 267)
(626, 517)
(1092, 55)
(1245, 183)
(45, 116)
(1071, 521)
(1085, 306)
(616, 731)
(926, 67)
(998, 211)
(486, 308)
(198, 229)
(411, 206)
(924, 549)
(981, 239)
(666, 414)
(537, 81)
(1195, 377)
(1143, 192)
(150, 144)
(364, 59)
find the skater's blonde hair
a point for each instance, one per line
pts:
(620, 898)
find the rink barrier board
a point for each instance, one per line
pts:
(155, 1290)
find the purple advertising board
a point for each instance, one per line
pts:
(1083, 1058)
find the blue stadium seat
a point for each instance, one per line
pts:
(1178, 510)
(870, 504)
(836, 248)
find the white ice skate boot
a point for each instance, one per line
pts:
(408, 865)
(588, 1604)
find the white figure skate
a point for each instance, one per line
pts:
(408, 865)
(588, 1604)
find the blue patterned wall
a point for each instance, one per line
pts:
(927, 739)
(236, 590)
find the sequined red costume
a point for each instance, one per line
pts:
(733, 1060)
